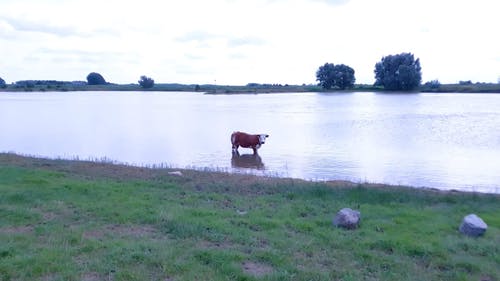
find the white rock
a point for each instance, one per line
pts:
(241, 213)
(347, 218)
(176, 173)
(473, 225)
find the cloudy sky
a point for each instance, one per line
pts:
(235, 42)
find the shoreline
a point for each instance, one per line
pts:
(91, 165)
(263, 92)
(252, 89)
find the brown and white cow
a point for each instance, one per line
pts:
(247, 140)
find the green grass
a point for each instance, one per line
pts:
(71, 220)
(463, 88)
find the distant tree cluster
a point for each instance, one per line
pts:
(467, 82)
(400, 72)
(2, 83)
(258, 85)
(146, 82)
(95, 78)
(340, 76)
(434, 84)
(33, 83)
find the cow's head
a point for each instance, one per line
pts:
(262, 138)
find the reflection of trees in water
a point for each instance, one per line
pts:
(252, 161)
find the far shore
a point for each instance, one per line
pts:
(49, 86)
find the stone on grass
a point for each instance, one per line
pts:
(175, 173)
(473, 225)
(347, 218)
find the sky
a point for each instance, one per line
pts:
(235, 42)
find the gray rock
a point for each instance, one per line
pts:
(473, 225)
(347, 218)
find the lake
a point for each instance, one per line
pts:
(445, 141)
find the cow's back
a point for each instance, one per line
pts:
(244, 139)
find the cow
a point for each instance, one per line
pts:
(248, 141)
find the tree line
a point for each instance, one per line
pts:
(93, 78)
(401, 72)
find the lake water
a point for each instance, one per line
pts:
(446, 141)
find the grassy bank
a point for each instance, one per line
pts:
(71, 220)
(170, 87)
(462, 88)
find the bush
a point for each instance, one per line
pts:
(434, 84)
(95, 78)
(146, 82)
(2, 83)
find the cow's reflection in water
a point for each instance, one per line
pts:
(252, 161)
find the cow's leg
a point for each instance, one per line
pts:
(234, 142)
(254, 150)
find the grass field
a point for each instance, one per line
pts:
(74, 220)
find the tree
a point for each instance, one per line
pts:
(95, 78)
(146, 82)
(434, 84)
(398, 72)
(330, 75)
(2, 83)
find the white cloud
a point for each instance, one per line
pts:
(22, 25)
(334, 2)
(237, 41)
